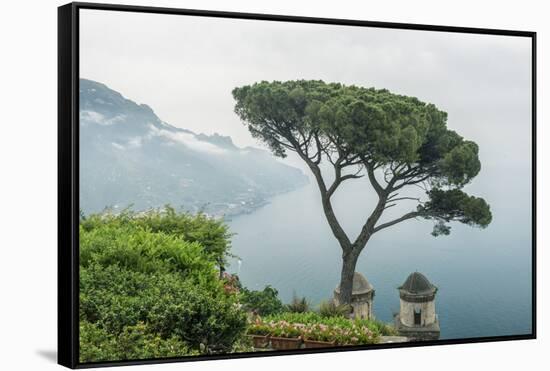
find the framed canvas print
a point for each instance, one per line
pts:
(239, 185)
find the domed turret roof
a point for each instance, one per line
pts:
(360, 285)
(418, 284)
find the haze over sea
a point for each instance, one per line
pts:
(483, 276)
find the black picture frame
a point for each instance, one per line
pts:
(68, 176)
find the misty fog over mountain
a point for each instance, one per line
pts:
(130, 157)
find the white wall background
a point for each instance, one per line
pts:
(28, 155)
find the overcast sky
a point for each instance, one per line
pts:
(185, 67)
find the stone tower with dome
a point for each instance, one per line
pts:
(361, 297)
(417, 318)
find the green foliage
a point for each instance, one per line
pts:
(263, 302)
(313, 317)
(115, 298)
(353, 334)
(281, 329)
(383, 328)
(386, 126)
(134, 342)
(210, 234)
(330, 309)
(447, 205)
(400, 137)
(259, 328)
(242, 345)
(298, 305)
(296, 317)
(212, 319)
(139, 250)
(149, 285)
(313, 326)
(461, 163)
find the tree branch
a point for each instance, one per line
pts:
(372, 178)
(367, 230)
(412, 214)
(412, 176)
(339, 179)
(281, 143)
(332, 220)
(317, 161)
(406, 198)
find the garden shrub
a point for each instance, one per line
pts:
(211, 234)
(149, 285)
(201, 318)
(134, 342)
(140, 250)
(263, 302)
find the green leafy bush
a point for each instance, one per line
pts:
(212, 235)
(263, 302)
(133, 274)
(140, 250)
(134, 342)
(116, 298)
(201, 318)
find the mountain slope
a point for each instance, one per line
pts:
(128, 156)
